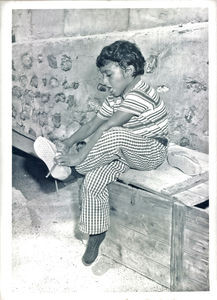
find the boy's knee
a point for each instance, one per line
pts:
(113, 132)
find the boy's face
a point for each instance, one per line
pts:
(115, 78)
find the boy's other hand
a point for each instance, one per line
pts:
(67, 160)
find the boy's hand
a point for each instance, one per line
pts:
(67, 160)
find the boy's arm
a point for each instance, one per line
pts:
(84, 131)
(118, 119)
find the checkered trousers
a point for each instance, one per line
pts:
(117, 150)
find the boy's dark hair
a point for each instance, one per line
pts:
(124, 53)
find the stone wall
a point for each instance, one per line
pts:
(56, 82)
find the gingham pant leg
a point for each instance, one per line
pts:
(119, 143)
(95, 213)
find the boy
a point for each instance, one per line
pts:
(129, 131)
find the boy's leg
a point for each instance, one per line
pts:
(95, 217)
(118, 143)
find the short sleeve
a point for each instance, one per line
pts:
(135, 103)
(105, 111)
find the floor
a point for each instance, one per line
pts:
(47, 245)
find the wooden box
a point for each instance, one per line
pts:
(157, 230)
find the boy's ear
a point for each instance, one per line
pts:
(129, 71)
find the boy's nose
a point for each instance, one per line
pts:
(106, 82)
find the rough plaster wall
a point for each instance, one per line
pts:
(55, 79)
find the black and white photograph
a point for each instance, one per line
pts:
(110, 181)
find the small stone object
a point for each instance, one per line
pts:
(32, 132)
(34, 81)
(14, 112)
(196, 86)
(45, 97)
(151, 63)
(44, 80)
(162, 89)
(43, 119)
(101, 87)
(27, 60)
(28, 97)
(40, 58)
(17, 91)
(66, 63)
(71, 101)
(190, 114)
(184, 142)
(60, 97)
(23, 80)
(52, 61)
(56, 119)
(75, 85)
(67, 85)
(37, 94)
(13, 67)
(53, 82)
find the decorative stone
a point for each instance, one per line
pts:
(17, 91)
(184, 142)
(151, 63)
(196, 86)
(14, 78)
(14, 112)
(52, 61)
(53, 82)
(56, 119)
(76, 85)
(34, 81)
(162, 89)
(32, 132)
(44, 80)
(67, 85)
(101, 87)
(40, 58)
(45, 97)
(23, 80)
(60, 97)
(13, 67)
(190, 114)
(43, 119)
(37, 94)
(27, 60)
(71, 101)
(66, 63)
(28, 97)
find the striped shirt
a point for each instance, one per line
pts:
(150, 116)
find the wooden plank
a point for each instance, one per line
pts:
(136, 262)
(190, 182)
(196, 268)
(147, 215)
(145, 224)
(201, 189)
(197, 220)
(191, 285)
(23, 142)
(189, 198)
(145, 245)
(195, 242)
(176, 263)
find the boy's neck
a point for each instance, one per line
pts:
(132, 83)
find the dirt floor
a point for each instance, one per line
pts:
(47, 245)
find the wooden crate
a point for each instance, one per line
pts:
(157, 230)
